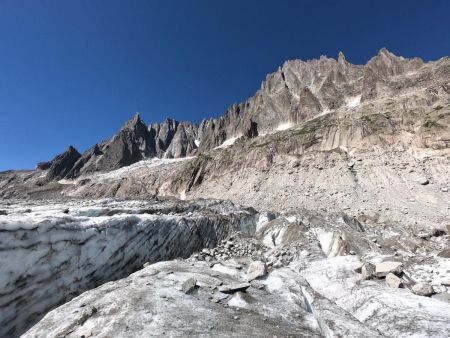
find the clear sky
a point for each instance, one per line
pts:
(73, 71)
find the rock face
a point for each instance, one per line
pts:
(62, 164)
(296, 93)
(95, 242)
(134, 142)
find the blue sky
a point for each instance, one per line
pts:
(72, 72)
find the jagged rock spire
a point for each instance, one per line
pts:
(135, 121)
(63, 163)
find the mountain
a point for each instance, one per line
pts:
(319, 207)
(297, 92)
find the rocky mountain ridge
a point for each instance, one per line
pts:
(296, 92)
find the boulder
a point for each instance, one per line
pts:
(367, 271)
(444, 253)
(423, 289)
(235, 287)
(439, 288)
(384, 268)
(393, 281)
(189, 285)
(256, 270)
(422, 181)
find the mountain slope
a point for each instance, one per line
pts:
(297, 92)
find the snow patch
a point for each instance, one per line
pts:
(150, 163)
(354, 101)
(183, 195)
(291, 219)
(227, 142)
(197, 143)
(284, 126)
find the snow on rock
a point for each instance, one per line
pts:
(52, 251)
(354, 101)
(150, 163)
(227, 142)
(284, 126)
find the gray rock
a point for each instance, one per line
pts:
(422, 180)
(189, 285)
(367, 271)
(422, 289)
(393, 281)
(256, 270)
(384, 268)
(444, 253)
(439, 288)
(257, 284)
(234, 287)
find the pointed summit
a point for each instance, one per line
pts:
(71, 149)
(63, 163)
(135, 119)
(384, 52)
(341, 57)
(135, 123)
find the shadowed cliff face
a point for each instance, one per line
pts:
(297, 92)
